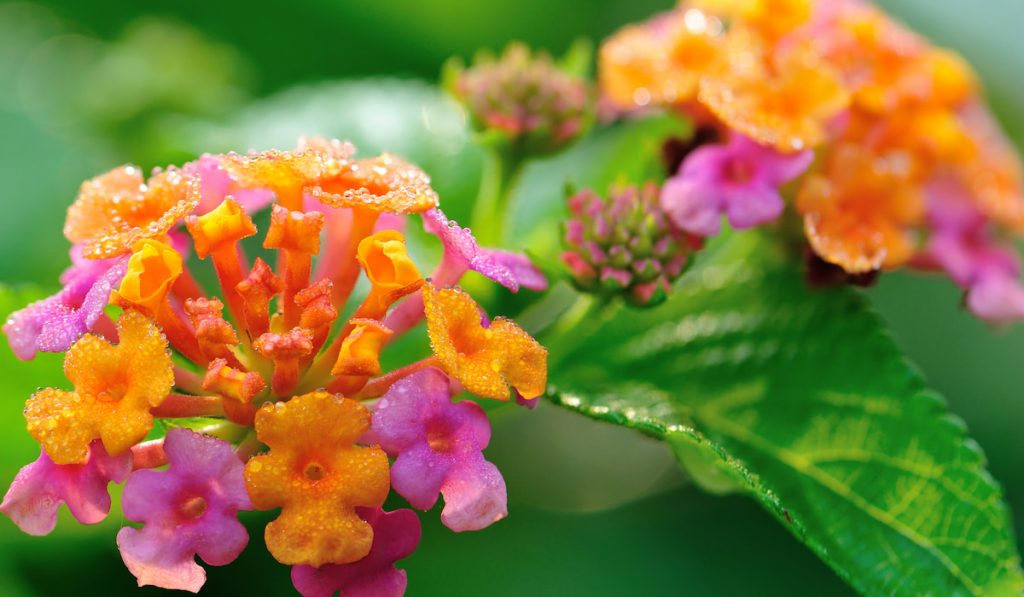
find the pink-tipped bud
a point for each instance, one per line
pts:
(624, 246)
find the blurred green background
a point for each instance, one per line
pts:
(594, 509)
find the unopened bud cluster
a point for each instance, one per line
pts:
(625, 245)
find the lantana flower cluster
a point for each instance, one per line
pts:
(880, 142)
(269, 393)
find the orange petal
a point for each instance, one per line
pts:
(382, 184)
(224, 225)
(152, 270)
(484, 360)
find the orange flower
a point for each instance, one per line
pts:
(115, 388)
(860, 213)
(784, 101)
(391, 273)
(659, 63)
(222, 226)
(317, 475)
(152, 270)
(360, 351)
(486, 361)
(118, 209)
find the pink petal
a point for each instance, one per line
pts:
(692, 206)
(418, 475)
(474, 496)
(997, 299)
(39, 489)
(752, 206)
(162, 561)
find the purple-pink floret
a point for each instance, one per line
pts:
(395, 537)
(461, 254)
(187, 510)
(40, 488)
(54, 323)
(740, 179)
(962, 244)
(438, 447)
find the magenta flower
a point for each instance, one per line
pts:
(740, 179)
(439, 447)
(962, 245)
(395, 536)
(215, 184)
(461, 254)
(187, 510)
(54, 323)
(40, 488)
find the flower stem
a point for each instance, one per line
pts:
(502, 170)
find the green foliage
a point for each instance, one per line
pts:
(802, 400)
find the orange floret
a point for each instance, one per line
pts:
(391, 273)
(382, 184)
(659, 63)
(317, 475)
(240, 386)
(486, 361)
(785, 101)
(222, 226)
(861, 212)
(115, 388)
(360, 351)
(152, 271)
(115, 211)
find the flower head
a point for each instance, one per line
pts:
(439, 448)
(279, 362)
(317, 475)
(41, 487)
(115, 389)
(522, 99)
(625, 246)
(187, 510)
(395, 536)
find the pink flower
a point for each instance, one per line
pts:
(215, 184)
(40, 488)
(962, 245)
(54, 323)
(395, 536)
(740, 179)
(439, 447)
(187, 510)
(461, 254)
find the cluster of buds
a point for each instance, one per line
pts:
(880, 141)
(625, 246)
(272, 398)
(521, 100)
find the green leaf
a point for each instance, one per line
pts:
(802, 400)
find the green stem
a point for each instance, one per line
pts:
(501, 173)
